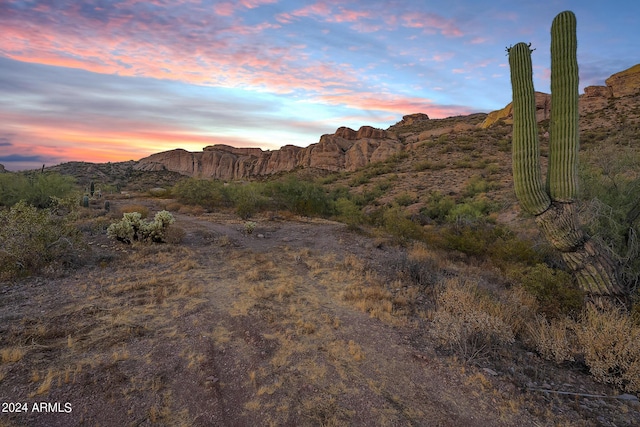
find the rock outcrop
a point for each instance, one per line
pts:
(621, 84)
(625, 83)
(543, 107)
(346, 149)
(2, 169)
(411, 119)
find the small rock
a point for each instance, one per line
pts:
(627, 396)
(260, 236)
(490, 371)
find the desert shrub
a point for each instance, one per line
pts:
(507, 249)
(32, 239)
(35, 189)
(423, 273)
(467, 322)
(158, 192)
(554, 289)
(301, 197)
(478, 185)
(405, 199)
(610, 341)
(470, 239)
(397, 224)
(438, 206)
(611, 188)
(174, 234)
(348, 212)
(470, 211)
(553, 339)
(202, 192)
(133, 228)
(247, 199)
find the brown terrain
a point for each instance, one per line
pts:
(268, 328)
(302, 321)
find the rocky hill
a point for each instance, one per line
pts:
(349, 150)
(346, 149)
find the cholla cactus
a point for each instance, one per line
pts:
(155, 230)
(553, 204)
(131, 227)
(249, 226)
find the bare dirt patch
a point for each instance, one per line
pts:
(288, 325)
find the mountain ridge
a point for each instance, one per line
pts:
(349, 150)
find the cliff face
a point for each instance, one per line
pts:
(618, 85)
(346, 149)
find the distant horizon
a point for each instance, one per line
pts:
(125, 79)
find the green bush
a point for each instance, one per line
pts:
(611, 191)
(301, 197)
(348, 212)
(437, 206)
(478, 185)
(554, 289)
(469, 212)
(133, 228)
(470, 239)
(202, 192)
(35, 189)
(32, 239)
(248, 199)
(397, 224)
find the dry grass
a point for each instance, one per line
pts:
(610, 341)
(468, 322)
(553, 338)
(12, 354)
(141, 209)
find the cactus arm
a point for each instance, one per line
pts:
(527, 176)
(562, 175)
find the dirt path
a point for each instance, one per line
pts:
(235, 329)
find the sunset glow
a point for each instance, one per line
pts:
(119, 80)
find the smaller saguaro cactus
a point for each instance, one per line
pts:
(85, 201)
(92, 188)
(552, 203)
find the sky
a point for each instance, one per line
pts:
(116, 80)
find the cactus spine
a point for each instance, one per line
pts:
(553, 205)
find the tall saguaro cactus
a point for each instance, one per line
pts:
(553, 204)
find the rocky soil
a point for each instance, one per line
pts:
(228, 328)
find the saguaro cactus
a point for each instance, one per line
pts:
(553, 204)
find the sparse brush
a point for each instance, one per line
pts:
(610, 340)
(32, 239)
(553, 338)
(467, 323)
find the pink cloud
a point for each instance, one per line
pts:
(442, 57)
(479, 40)
(224, 9)
(399, 105)
(431, 23)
